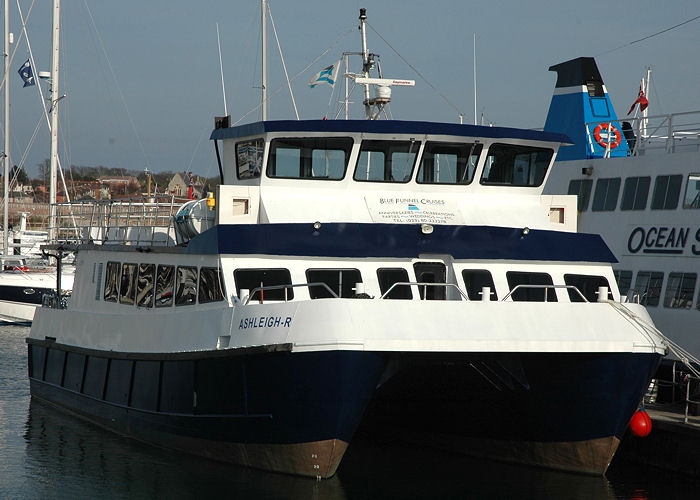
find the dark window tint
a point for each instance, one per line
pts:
(144, 288)
(680, 290)
(587, 285)
(186, 286)
(111, 293)
(249, 158)
(692, 191)
(635, 193)
(127, 289)
(475, 280)
(386, 161)
(431, 272)
(387, 276)
(606, 193)
(624, 281)
(341, 281)
(648, 287)
(448, 163)
(165, 282)
(511, 165)
(257, 278)
(581, 188)
(309, 158)
(210, 285)
(532, 289)
(667, 189)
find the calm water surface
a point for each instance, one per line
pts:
(45, 453)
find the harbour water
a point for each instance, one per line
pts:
(45, 453)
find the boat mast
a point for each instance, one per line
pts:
(6, 152)
(264, 59)
(366, 62)
(54, 116)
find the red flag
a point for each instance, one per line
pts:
(641, 100)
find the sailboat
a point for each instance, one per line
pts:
(22, 288)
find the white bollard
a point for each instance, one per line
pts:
(486, 294)
(602, 293)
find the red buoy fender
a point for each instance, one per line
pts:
(613, 134)
(640, 424)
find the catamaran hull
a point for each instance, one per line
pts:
(297, 412)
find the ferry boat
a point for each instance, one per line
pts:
(410, 275)
(638, 186)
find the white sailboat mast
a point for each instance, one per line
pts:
(55, 51)
(264, 59)
(6, 152)
(366, 65)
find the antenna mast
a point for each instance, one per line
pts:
(264, 59)
(221, 67)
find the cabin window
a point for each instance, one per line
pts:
(511, 165)
(475, 280)
(309, 158)
(431, 272)
(386, 161)
(144, 286)
(635, 193)
(165, 282)
(692, 191)
(387, 276)
(587, 285)
(211, 288)
(624, 281)
(667, 189)
(448, 163)
(680, 290)
(249, 158)
(186, 286)
(606, 193)
(111, 293)
(127, 288)
(533, 287)
(341, 281)
(581, 188)
(251, 279)
(648, 287)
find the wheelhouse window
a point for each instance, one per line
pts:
(165, 283)
(635, 193)
(624, 281)
(127, 287)
(648, 287)
(587, 285)
(431, 272)
(692, 191)
(388, 276)
(211, 288)
(323, 158)
(581, 188)
(475, 280)
(111, 291)
(512, 165)
(251, 279)
(249, 158)
(186, 286)
(448, 163)
(341, 281)
(386, 161)
(606, 193)
(144, 285)
(680, 290)
(667, 189)
(532, 289)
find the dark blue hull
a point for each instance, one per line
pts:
(296, 412)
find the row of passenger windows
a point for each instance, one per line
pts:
(680, 288)
(327, 158)
(148, 285)
(635, 193)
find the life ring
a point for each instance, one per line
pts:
(613, 131)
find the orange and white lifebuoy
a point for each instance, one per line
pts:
(610, 133)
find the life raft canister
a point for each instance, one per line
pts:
(612, 133)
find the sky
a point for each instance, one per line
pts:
(143, 84)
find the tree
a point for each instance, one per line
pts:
(20, 175)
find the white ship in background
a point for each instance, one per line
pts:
(638, 182)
